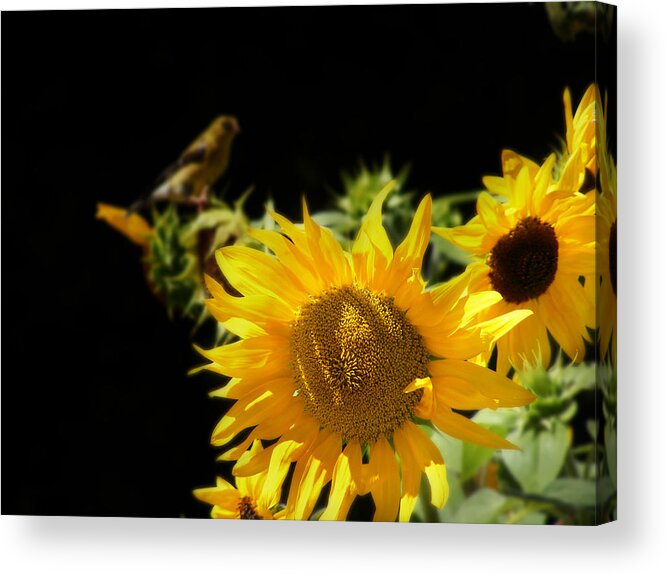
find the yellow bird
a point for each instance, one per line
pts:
(190, 178)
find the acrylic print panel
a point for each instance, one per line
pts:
(314, 263)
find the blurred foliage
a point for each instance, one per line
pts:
(359, 189)
(554, 477)
(569, 19)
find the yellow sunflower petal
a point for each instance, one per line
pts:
(312, 473)
(409, 254)
(294, 259)
(487, 382)
(492, 214)
(245, 355)
(425, 406)
(459, 426)
(329, 259)
(253, 272)
(344, 486)
(417, 454)
(262, 310)
(473, 340)
(252, 484)
(226, 498)
(132, 226)
(513, 163)
(568, 118)
(458, 394)
(386, 487)
(372, 223)
(469, 237)
(289, 447)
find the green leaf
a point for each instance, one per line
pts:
(534, 518)
(450, 448)
(449, 251)
(483, 506)
(332, 218)
(455, 500)
(475, 456)
(573, 491)
(605, 490)
(610, 441)
(500, 421)
(541, 459)
(426, 512)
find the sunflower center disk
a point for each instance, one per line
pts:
(523, 263)
(353, 354)
(247, 509)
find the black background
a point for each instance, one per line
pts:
(98, 415)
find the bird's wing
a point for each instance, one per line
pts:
(193, 155)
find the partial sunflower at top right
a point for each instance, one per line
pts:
(533, 241)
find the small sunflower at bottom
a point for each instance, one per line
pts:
(247, 500)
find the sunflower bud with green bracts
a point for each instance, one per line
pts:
(172, 266)
(556, 390)
(359, 189)
(182, 253)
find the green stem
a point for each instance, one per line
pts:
(570, 465)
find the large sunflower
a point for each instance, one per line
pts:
(339, 359)
(533, 241)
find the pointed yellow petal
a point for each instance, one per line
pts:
(459, 394)
(327, 253)
(261, 310)
(568, 118)
(487, 382)
(513, 163)
(491, 214)
(409, 254)
(478, 302)
(417, 453)
(238, 358)
(132, 226)
(386, 487)
(294, 259)
(372, 251)
(469, 237)
(253, 272)
(426, 405)
(459, 426)
(344, 485)
(312, 473)
(251, 485)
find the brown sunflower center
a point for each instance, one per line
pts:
(523, 263)
(353, 353)
(612, 256)
(247, 509)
